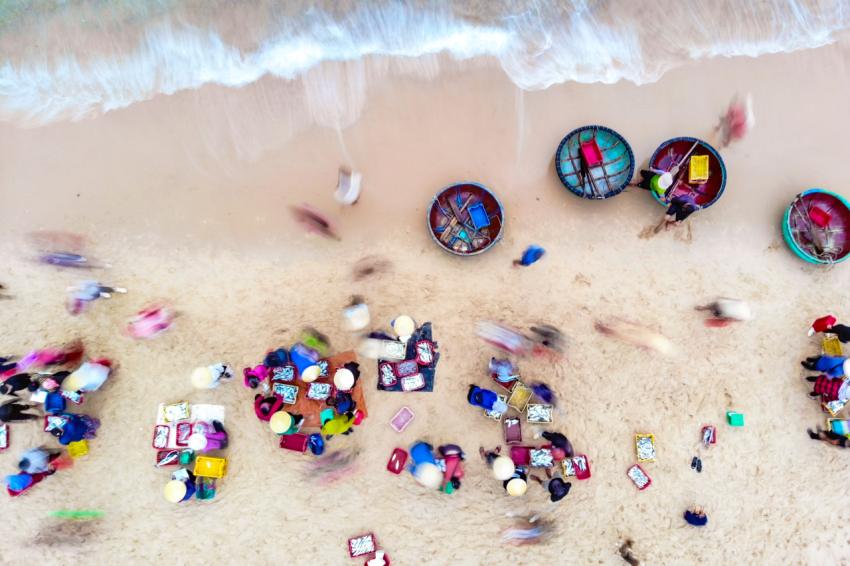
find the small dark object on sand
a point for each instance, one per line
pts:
(626, 553)
(369, 266)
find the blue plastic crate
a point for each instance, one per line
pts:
(479, 216)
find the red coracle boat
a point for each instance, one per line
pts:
(466, 219)
(677, 153)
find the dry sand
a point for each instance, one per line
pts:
(187, 195)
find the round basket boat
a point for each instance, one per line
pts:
(594, 162)
(817, 227)
(466, 219)
(678, 151)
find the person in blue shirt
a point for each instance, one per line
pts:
(486, 399)
(530, 255)
(696, 517)
(832, 366)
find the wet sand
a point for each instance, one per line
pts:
(187, 196)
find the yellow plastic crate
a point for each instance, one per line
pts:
(76, 449)
(698, 169)
(651, 437)
(210, 467)
(832, 346)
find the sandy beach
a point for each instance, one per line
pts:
(187, 196)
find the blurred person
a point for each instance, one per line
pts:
(657, 183)
(486, 399)
(679, 209)
(550, 337)
(37, 461)
(557, 487)
(150, 322)
(829, 437)
(489, 456)
(505, 338)
(210, 376)
(348, 190)
(18, 382)
(558, 440)
(7, 365)
(526, 532)
(529, 256)
(832, 366)
(737, 122)
(840, 331)
(638, 335)
(82, 295)
(69, 355)
(314, 221)
(254, 376)
(696, 517)
(837, 387)
(340, 424)
(88, 377)
(206, 441)
(283, 423)
(265, 407)
(517, 484)
(727, 311)
(370, 265)
(79, 427)
(12, 411)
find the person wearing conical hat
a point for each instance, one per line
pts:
(210, 376)
(285, 423)
(180, 490)
(517, 484)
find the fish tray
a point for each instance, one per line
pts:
(835, 407)
(713, 433)
(541, 458)
(538, 413)
(568, 467)
(397, 460)
(405, 368)
(513, 431)
(161, 433)
(388, 374)
(648, 480)
(508, 385)
(184, 431)
(361, 546)
(637, 446)
(163, 455)
(582, 474)
(4, 436)
(520, 396)
(493, 414)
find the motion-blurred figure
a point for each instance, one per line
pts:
(63, 357)
(626, 553)
(737, 122)
(12, 411)
(151, 322)
(62, 249)
(314, 221)
(638, 335)
(348, 190)
(370, 265)
(81, 296)
(526, 532)
(726, 312)
(547, 341)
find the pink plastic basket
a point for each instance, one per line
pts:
(819, 216)
(649, 480)
(591, 153)
(400, 421)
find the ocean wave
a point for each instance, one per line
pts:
(537, 44)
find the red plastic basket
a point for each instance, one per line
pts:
(713, 435)
(582, 475)
(296, 442)
(591, 153)
(397, 460)
(648, 479)
(819, 216)
(521, 455)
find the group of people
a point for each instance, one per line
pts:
(833, 380)
(51, 375)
